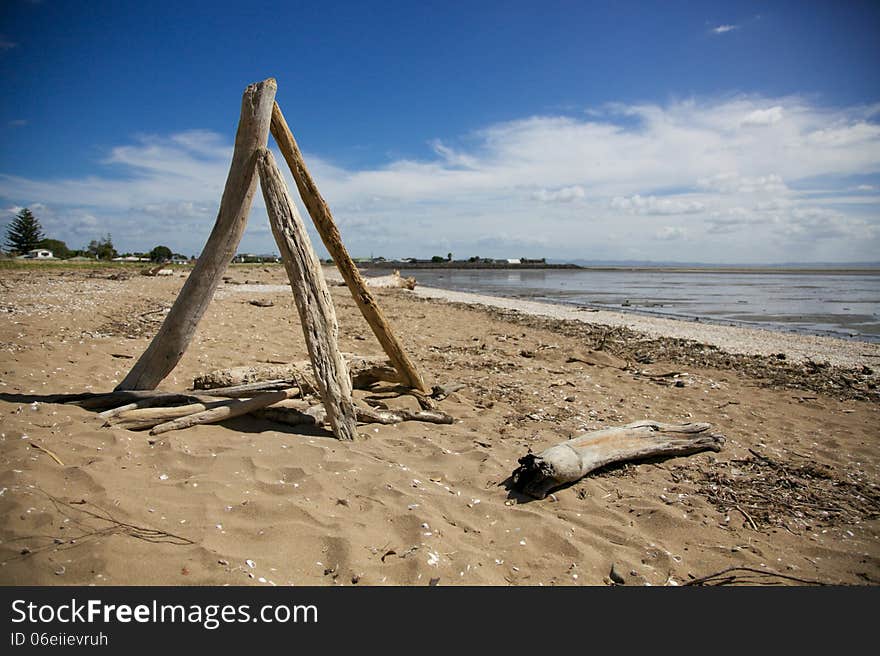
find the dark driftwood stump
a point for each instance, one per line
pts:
(573, 459)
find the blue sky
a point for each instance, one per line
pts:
(713, 131)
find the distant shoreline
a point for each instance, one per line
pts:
(742, 339)
(465, 266)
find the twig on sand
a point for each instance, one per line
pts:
(719, 578)
(115, 525)
(48, 453)
(748, 517)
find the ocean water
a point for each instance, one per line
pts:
(844, 305)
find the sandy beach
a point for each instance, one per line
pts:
(793, 496)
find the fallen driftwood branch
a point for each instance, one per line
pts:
(234, 377)
(391, 281)
(314, 416)
(135, 405)
(240, 381)
(227, 410)
(374, 416)
(573, 459)
(249, 389)
(126, 397)
(143, 418)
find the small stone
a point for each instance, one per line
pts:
(616, 576)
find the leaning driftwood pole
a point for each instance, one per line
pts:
(326, 227)
(312, 299)
(170, 343)
(571, 460)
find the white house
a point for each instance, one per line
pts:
(38, 254)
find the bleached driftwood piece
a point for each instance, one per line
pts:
(249, 389)
(312, 299)
(244, 375)
(226, 410)
(326, 226)
(143, 418)
(113, 399)
(391, 281)
(573, 459)
(364, 371)
(315, 416)
(135, 405)
(170, 343)
(375, 416)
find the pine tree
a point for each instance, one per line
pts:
(24, 233)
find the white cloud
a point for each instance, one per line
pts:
(591, 187)
(730, 183)
(722, 29)
(652, 205)
(761, 117)
(846, 135)
(564, 195)
(669, 233)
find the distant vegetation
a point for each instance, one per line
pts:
(25, 234)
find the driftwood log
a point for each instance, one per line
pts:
(364, 372)
(391, 281)
(312, 298)
(326, 226)
(573, 459)
(173, 338)
(127, 398)
(314, 415)
(224, 410)
(143, 418)
(183, 416)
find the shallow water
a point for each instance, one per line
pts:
(843, 305)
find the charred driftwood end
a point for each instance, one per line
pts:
(573, 459)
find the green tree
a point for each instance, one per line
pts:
(449, 257)
(160, 254)
(437, 259)
(102, 249)
(59, 248)
(24, 233)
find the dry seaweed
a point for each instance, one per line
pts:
(785, 495)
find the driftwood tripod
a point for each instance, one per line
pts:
(135, 406)
(260, 114)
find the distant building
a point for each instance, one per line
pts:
(251, 258)
(131, 258)
(38, 254)
(513, 261)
